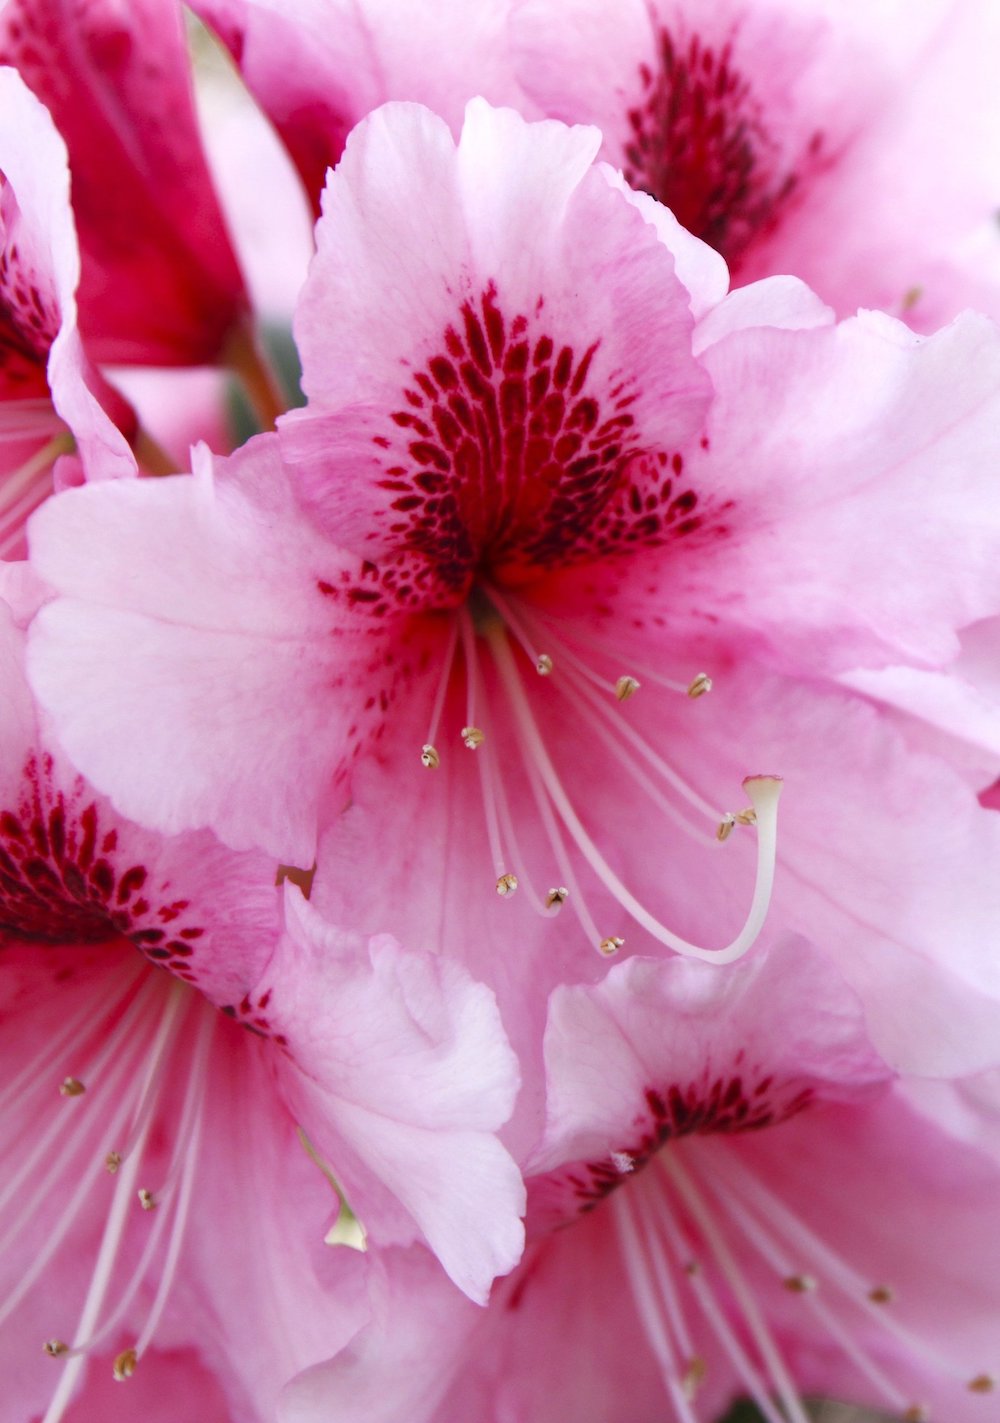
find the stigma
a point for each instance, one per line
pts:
(496, 649)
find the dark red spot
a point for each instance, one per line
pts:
(700, 143)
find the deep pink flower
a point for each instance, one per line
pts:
(160, 284)
(841, 143)
(52, 401)
(513, 455)
(388, 1066)
(742, 1205)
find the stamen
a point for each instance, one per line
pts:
(610, 946)
(626, 688)
(473, 736)
(71, 1087)
(429, 755)
(622, 732)
(745, 1369)
(655, 1321)
(982, 1383)
(146, 1199)
(506, 882)
(556, 898)
(699, 685)
(612, 733)
(799, 1284)
(762, 790)
(55, 1347)
(543, 664)
(124, 1366)
(759, 1331)
(756, 1205)
(917, 1413)
(112, 1162)
(114, 1229)
(27, 487)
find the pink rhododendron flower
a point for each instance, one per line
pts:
(391, 1063)
(51, 398)
(737, 1205)
(159, 284)
(522, 456)
(842, 143)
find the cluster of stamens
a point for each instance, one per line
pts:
(504, 627)
(154, 1032)
(689, 1240)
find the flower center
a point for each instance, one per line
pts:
(64, 878)
(503, 725)
(698, 142)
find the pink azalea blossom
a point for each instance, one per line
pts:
(52, 401)
(842, 143)
(388, 1067)
(522, 455)
(160, 284)
(739, 1206)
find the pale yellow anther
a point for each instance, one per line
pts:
(429, 757)
(146, 1199)
(556, 898)
(725, 827)
(694, 1376)
(610, 946)
(124, 1366)
(544, 664)
(506, 885)
(799, 1284)
(746, 817)
(112, 1162)
(882, 1294)
(626, 687)
(55, 1347)
(700, 685)
(982, 1383)
(917, 1413)
(71, 1087)
(473, 736)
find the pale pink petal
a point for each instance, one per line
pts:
(405, 1077)
(160, 284)
(666, 1049)
(223, 625)
(841, 459)
(784, 302)
(317, 67)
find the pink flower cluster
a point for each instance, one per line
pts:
(413, 1006)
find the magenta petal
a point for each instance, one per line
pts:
(160, 283)
(405, 1075)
